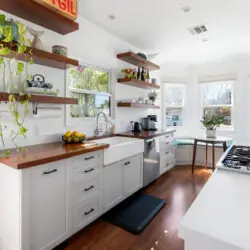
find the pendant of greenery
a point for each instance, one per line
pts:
(12, 67)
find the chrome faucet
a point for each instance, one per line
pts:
(99, 131)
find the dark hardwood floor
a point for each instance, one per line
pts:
(179, 187)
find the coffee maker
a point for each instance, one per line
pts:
(149, 123)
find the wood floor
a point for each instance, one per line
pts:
(179, 187)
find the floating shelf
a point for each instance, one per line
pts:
(138, 61)
(137, 83)
(38, 14)
(136, 105)
(4, 97)
(41, 57)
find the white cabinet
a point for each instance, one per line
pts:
(133, 173)
(121, 180)
(45, 205)
(167, 156)
(113, 185)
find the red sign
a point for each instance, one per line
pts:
(67, 8)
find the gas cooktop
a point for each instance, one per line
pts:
(237, 159)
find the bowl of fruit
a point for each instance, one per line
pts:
(73, 137)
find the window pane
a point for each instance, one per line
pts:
(174, 96)
(217, 94)
(89, 105)
(223, 111)
(89, 79)
(174, 116)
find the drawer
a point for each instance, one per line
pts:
(85, 160)
(83, 189)
(86, 172)
(167, 165)
(167, 152)
(85, 212)
(167, 138)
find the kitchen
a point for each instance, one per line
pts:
(133, 143)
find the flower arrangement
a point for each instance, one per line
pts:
(127, 73)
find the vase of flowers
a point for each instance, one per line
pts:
(211, 123)
(152, 96)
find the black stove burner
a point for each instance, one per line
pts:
(238, 157)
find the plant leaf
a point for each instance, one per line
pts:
(20, 67)
(21, 49)
(4, 51)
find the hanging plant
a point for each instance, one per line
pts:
(13, 37)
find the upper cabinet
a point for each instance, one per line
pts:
(40, 15)
(137, 60)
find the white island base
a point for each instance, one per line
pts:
(219, 218)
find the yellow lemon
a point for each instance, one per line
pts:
(76, 140)
(68, 134)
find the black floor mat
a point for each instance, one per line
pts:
(136, 212)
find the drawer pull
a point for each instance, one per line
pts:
(89, 170)
(89, 158)
(89, 188)
(127, 163)
(50, 172)
(90, 211)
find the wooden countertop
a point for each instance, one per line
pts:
(50, 152)
(146, 134)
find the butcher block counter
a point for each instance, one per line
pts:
(146, 134)
(50, 152)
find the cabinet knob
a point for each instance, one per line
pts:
(89, 170)
(90, 211)
(127, 163)
(50, 172)
(89, 188)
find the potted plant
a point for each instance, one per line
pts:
(211, 123)
(152, 96)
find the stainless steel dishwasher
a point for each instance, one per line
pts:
(151, 166)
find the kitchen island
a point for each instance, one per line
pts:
(219, 217)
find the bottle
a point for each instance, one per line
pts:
(143, 75)
(148, 76)
(139, 74)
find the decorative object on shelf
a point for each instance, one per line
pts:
(60, 50)
(16, 97)
(128, 73)
(139, 73)
(73, 137)
(211, 122)
(147, 76)
(154, 81)
(66, 8)
(38, 81)
(143, 75)
(152, 95)
(142, 55)
(134, 74)
(36, 43)
(8, 24)
(42, 91)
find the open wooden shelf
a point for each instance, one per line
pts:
(138, 61)
(4, 97)
(41, 57)
(38, 14)
(136, 105)
(137, 83)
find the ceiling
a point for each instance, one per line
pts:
(160, 26)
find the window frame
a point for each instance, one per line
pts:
(182, 106)
(69, 90)
(216, 82)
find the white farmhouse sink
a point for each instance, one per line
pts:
(121, 148)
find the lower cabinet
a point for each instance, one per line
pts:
(44, 206)
(121, 180)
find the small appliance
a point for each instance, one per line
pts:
(136, 126)
(148, 123)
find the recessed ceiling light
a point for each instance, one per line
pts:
(111, 17)
(186, 9)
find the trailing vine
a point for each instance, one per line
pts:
(17, 96)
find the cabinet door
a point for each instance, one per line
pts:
(112, 185)
(133, 174)
(47, 205)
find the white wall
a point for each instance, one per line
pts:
(240, 68)
(92, 45)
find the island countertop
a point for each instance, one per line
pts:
(50, 152)
(221, 211)
(146, 134)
